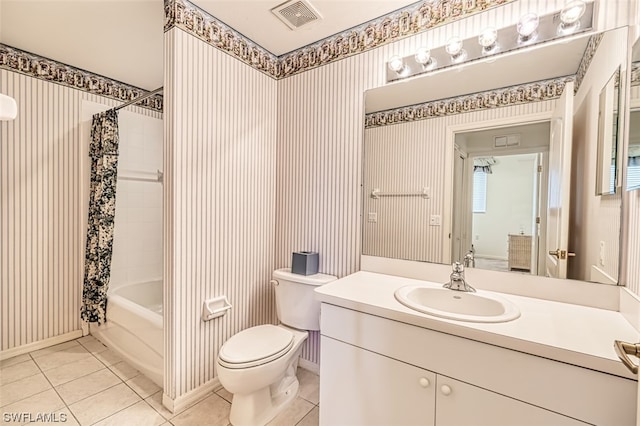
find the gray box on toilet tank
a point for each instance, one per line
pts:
(305, 262)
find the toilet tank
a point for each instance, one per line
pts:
(296, 304)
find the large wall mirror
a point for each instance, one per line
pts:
(494, 161)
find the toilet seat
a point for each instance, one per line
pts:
(255, 346)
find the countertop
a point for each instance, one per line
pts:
(564, 332)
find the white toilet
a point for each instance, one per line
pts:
(258, 365)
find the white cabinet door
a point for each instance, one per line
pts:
(459, 404)
(359, 387)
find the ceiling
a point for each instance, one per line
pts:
(123, 39)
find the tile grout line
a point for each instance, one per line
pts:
(54, 388)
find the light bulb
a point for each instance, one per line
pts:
(454, 46)
(423, 56)
(527, 27)
(572, 12)
(396, 64)
(570, 17)
(487, 39)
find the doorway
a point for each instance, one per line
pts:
(500, 181)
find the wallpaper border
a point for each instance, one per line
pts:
(16, 60)
(587, 57)
(520, 94)
(405, 22)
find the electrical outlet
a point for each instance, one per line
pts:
(435, 220)
(373, 217)
(602, 251)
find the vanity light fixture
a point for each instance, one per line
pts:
(488, 40)
(527, 28)
(491, 43)
(424, 58)
(454, 48)
(8, 108)
(570, 16)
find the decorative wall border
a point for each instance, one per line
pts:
(544, 90)
(42, 68)
(195, 21)
(587, 57)
(405, 22)
(635, 74)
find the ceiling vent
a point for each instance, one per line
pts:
(506, 141)
(296, 13)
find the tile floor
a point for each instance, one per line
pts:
(81, 382)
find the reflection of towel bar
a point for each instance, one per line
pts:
(375, 193)
(140, 175)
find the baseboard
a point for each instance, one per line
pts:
(191, 397)
(40, 344)
(309, 366)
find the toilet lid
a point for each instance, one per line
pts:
(255, 346)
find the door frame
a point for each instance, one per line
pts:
(450, 132)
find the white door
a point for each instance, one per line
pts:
(557, 251)
(457, 234)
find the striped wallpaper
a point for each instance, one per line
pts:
(43, 179)
(633, 253)
(219, 203)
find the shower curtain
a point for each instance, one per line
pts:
(103, 151)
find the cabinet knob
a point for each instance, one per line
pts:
(424, 382)
(445, 389)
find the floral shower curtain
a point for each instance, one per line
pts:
(103, 152)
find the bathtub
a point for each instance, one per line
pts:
(134, 327)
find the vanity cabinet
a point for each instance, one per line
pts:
(365, 388)
(377, 371)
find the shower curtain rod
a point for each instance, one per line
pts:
(138, 99)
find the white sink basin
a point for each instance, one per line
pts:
(457, 305)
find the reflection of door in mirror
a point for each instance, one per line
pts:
(500, 196)
(633, 150)
(608, 106)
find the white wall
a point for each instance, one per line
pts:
(510, 195)
(596, 218)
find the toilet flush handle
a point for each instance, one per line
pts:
(274, 283)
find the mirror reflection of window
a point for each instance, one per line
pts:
(480, 191)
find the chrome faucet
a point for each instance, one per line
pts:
(457, 281)
(469, 260)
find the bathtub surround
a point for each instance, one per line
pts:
(133, 329)
(103, 152)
